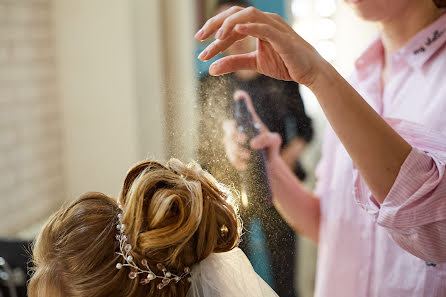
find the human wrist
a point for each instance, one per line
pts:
(324, 74)
(273, 159)
(276, 164)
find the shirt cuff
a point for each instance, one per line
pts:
(408, 203)
(363, 196)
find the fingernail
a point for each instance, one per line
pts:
(212, 70)
(220, 34)
(199, 34)
(203, 55)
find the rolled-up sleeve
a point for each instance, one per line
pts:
(414, 211)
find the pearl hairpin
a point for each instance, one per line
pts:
(125, 250)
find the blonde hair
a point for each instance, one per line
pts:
(175, 214)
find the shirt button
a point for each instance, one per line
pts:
(364, 235)
(361, 273)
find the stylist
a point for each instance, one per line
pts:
(383, 166)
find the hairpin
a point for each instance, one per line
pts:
(224, 230)
(125, 252)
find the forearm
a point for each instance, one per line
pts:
(300, 208)
(375, 148)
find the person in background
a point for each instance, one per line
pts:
(280, 107)
(379, 209)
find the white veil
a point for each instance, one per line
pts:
(227, 274)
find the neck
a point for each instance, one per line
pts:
(397, 31)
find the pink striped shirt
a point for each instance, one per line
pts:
(367, 249)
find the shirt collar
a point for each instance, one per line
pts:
(416, 52)
(426, 43)
(372, 54)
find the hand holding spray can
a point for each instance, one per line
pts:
(256, 188)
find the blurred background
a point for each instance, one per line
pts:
(89, 87)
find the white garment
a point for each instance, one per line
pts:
(227, 274)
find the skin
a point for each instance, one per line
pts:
(233, 139)
(375, 148)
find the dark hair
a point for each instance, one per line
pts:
(440, 3)
(243, 3)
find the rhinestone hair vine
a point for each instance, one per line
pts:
(125, 250)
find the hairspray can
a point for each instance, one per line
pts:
(256, 190)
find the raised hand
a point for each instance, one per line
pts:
(281, 53)
(234, 140)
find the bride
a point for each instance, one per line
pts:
(172, 232)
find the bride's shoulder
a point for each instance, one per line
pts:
(227, 274)
(233, 257)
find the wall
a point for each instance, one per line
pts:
(120, 70)
(149, 69)
(95, 86)
(352, 37)
(178, 29)
(31, 183)
(94, 51)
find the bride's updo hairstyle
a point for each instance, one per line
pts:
(175, 215)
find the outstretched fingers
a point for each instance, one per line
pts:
(223, 23)
(214, 23)
(258, 30)
(261, 31)
(247, 15)
(234, 63)
(219, 46)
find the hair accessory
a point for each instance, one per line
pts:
(125, 251)
(224, 230)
